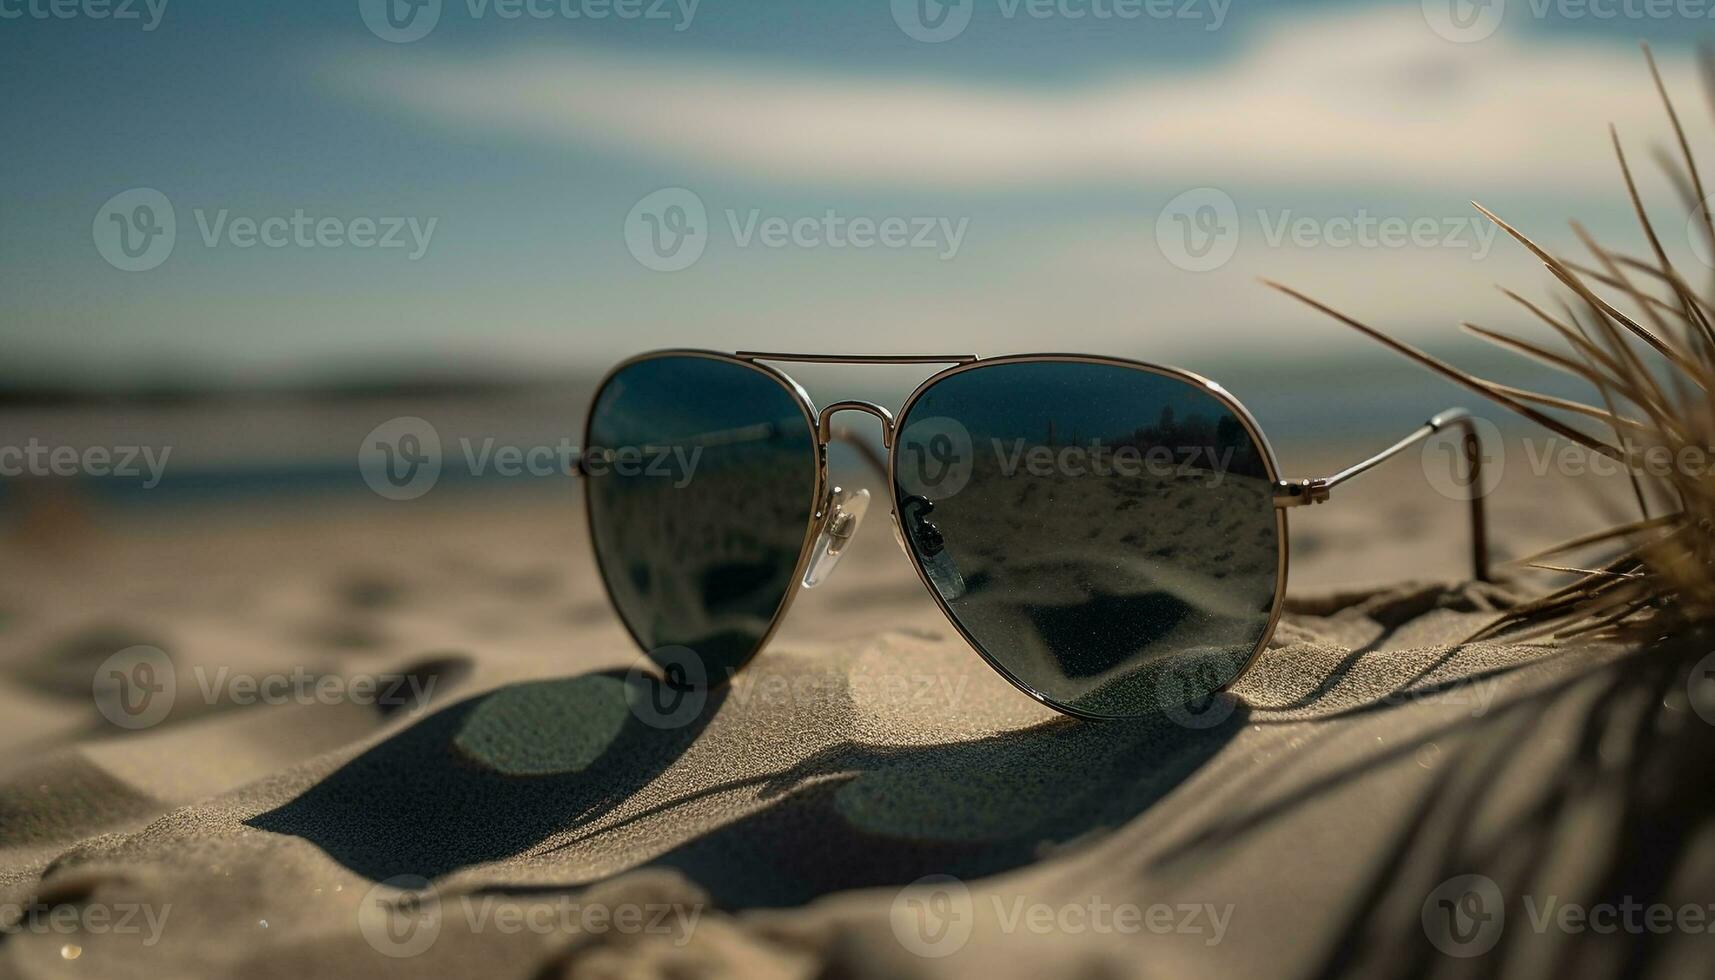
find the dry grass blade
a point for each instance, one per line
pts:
(1655, 303)
(1575, 570)
(1654, 371)
(1685, 153)
(1451, 373)
(1662, 263)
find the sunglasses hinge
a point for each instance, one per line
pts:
(1300, 493)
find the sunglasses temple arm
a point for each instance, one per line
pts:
(1297, 493)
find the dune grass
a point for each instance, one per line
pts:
(1635, 329)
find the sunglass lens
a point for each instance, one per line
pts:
(1104, 534)
(701, 474)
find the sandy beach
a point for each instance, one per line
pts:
(442, 716)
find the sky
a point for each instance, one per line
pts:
(262, 193)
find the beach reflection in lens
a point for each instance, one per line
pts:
(1112, 541)
(700, 502)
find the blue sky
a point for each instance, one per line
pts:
(1057, 146)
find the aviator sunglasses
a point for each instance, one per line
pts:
(1109, 535)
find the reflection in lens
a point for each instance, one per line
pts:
(1105, 534)
(700, 494)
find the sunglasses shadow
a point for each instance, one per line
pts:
(496, 775)
(487, 778)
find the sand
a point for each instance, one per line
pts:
(511, 812)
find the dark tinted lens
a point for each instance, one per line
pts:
(1105, 534)
(700, 499)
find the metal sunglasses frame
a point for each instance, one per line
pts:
(1287, 493)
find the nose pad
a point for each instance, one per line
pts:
(845, 513)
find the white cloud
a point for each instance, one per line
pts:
(1374, 97)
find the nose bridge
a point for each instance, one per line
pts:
(825, 428)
